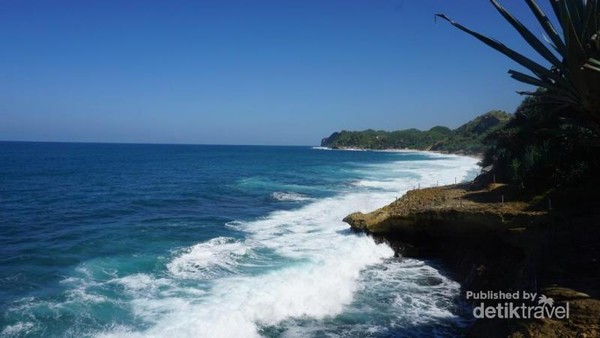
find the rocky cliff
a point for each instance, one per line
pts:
(500, 238)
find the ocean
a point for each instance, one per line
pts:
(128, 240)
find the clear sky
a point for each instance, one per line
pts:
(283, 72)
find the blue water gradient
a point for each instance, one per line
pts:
(125, 240)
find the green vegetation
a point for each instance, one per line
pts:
(467, 139)
(553, 142)
(470, 138)
(379, 139)
(539, 149)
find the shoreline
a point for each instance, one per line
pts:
(404, 150)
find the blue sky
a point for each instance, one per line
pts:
(246, 72)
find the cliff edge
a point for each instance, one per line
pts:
(497, 237)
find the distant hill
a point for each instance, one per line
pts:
(466, 139)
(469, 137)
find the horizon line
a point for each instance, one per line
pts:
(157, 143)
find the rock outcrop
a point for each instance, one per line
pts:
(499, 238)
(448, 211)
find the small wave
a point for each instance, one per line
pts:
(142, 282)
(83, 296)
(289, 196)
(234, 225)
(321, 148)
(209, 259)
(19, 329)
(266, 184)
(382, 185)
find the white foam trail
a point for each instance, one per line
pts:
(289, 196)
(320, 279)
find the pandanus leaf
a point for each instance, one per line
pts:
(575, 8)
(530, 37)
(539, 83)
(524, 61)
(591, 67)
(548, 26)
(594, 62)
(574, 75)
(572, 39)
(590, 25)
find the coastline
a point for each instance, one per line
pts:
(486, 244)
(477, 156)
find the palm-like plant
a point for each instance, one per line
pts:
(573, 77)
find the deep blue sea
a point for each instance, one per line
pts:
(125, 240)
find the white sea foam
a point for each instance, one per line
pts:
(209, 259)
(80, 295)
(424, 290)
(322, 276)
(416, 298)
(289, 196)
(141, 282)
(19, 329)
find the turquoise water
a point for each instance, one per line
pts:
(110, 240)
